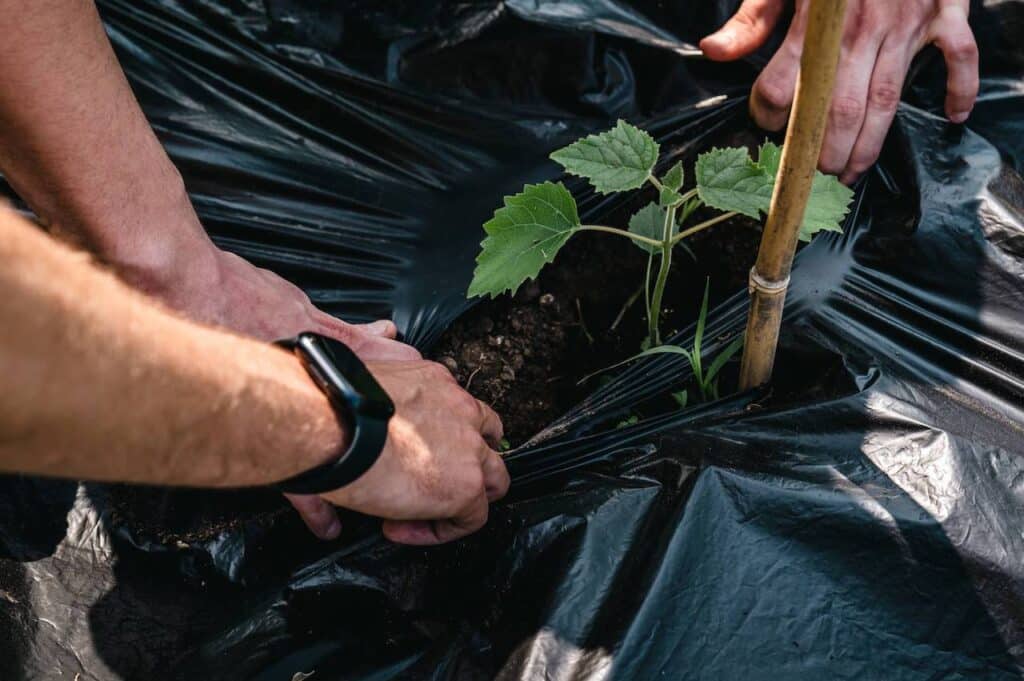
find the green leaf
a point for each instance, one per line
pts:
(722, 359)
(614, 161)
(657, 350)
(673, 179)
(626, 423)
(829, 201)
(667, 197)
(769, 157)
(728, 180)
(827, 207)
(682, 398)
(522, 237)
(698, 336)
(649, 221)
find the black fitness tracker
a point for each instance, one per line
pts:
(360, 403)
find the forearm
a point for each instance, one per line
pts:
(78, 149)
(101, 384)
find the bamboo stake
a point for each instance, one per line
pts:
(769, 278)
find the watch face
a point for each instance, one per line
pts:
(343, 375)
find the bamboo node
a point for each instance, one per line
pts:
(769, 287)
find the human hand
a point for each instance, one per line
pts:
(225, 290)
(880, 40)
(222, 289)
(439, 469)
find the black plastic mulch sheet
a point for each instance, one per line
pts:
(868, 526)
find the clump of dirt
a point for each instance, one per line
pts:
(525, 354)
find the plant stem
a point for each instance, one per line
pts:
(625, 308)
(620, 232)
(647, 288)
(656, 182)
(688, 195)
(583, 323)
(654, 313)
(702, 226)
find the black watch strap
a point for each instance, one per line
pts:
(360, 403)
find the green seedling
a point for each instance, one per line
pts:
(527, 232)
(707, 379)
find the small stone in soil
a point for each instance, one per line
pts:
(546, 300)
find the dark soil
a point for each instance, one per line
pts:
(525, 355)
(181, 515)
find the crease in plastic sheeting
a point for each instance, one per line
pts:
(602, 16)
(548, 656)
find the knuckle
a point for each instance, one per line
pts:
(437, 372)
(471, 483)
(885, 96)
(464, 405)
(847, 112)
(962, 50)
(771, 93)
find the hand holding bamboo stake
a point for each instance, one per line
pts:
(769, 278)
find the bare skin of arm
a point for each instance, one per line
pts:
(77, 148)
(101, 384)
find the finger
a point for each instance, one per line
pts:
(772, 95)
(496, 478)
(329, 325)
(491, 427)
(746, 31)
(382, 327)
(433, 532)
(849, 104)
(377, 346)
(883, 100)
(385, 350)
(319, 516)
(954, 37)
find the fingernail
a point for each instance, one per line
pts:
(381, 326)
(722, 39)
(960, 116)
(333, 530)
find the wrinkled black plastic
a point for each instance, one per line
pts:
(865, 522)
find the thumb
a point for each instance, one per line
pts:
(744, 32)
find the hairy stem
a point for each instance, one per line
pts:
(620, 232)
(654, 313)
(655, 181)
(702, 226)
